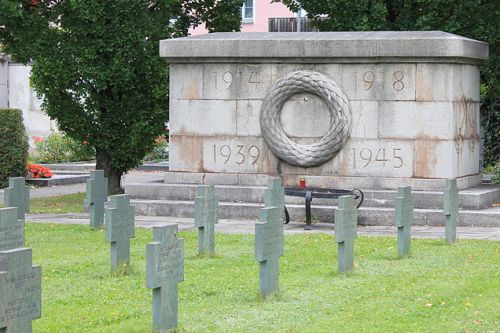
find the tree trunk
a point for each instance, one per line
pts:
(114, 176)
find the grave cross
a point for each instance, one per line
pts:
(11, 229)
(346, 224)
(205, 218)
(20, 287)
(18, 195)
(164, 270)
(274, 196)
(96, 196)
(404, 219)
(120, 228)
(268, 249)
(451, 209)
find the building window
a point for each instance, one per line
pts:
(247, 11)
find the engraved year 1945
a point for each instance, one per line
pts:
(239, 154)
(385, 157)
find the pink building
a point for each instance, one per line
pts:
(255, 16)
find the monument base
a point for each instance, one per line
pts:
(372, 183)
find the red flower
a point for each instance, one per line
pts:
(37, 139)
(39, 171)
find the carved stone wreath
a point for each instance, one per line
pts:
(306, 155)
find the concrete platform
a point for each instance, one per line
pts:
(59, 179)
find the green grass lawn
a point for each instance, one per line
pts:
(439, 289)
(68, 203)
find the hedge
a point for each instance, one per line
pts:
(13, 145)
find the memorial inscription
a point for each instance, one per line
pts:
(20, 284)
(11, 229)
(164, 270)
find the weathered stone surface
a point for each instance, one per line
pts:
(346, 225)
(236, 81)
(11, 229)
(18, 195)
(120, 227)
(397, 83)
(164, 270)
(450, 210)
(96, 196)
(321, 45)
(205, 218)
(20, 287)
(268, 249)
(188, 115)
(403, 218)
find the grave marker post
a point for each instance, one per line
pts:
(96, 196)
(205, 218)
(274, 196)
(346, 223)
(451, 210)
(120, 227)
(164, 270)
(20, 285)
(11, 229)
(18, 195)
(268, 249)
(404, 219)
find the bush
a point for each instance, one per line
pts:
(160, 150)
(58, 148)
(13, 145)
(39, 171)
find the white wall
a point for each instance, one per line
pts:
(16, 93)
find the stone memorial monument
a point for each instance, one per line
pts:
(18, 195)
(96, 196)
(11, 229)
(451, 210)
(403, 216)
(20, 290)
(269, 249)
(342, 109)
(120, 227)
(274, 196)
(205, 218)
(346, 226)
(164, 270)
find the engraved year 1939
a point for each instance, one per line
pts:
(238, 154)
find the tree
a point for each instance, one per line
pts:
(96, 65)
(478, 19)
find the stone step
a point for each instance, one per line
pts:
(320, 213)
(477, 198)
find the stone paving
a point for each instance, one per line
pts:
(248, 226)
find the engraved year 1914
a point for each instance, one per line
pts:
(228, 78)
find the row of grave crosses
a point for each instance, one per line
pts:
(20, 280)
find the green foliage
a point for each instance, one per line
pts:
(218, 16)
(13, 145)
(474, 19)
(58, 148)
(440, 289)
(97, 66)
(160, 150)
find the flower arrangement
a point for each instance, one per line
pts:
(39, 171)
